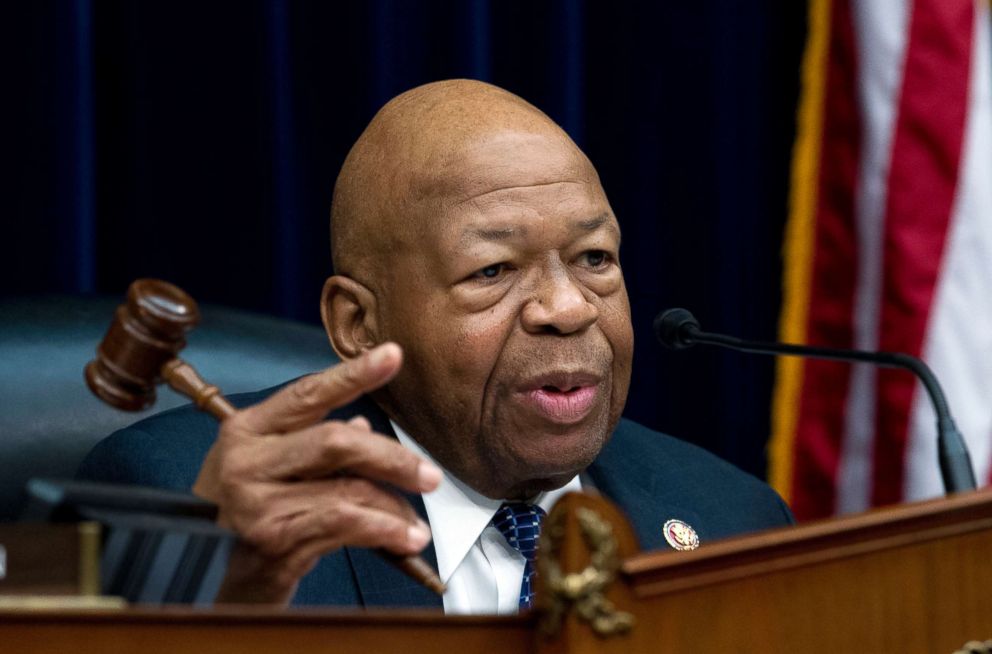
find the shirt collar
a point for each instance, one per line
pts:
(458, 514)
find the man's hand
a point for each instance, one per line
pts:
(295, 487)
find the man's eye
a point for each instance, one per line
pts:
(490, 272)
(596, 258)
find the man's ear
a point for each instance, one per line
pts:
(348, 311)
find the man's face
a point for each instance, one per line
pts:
(510, 305)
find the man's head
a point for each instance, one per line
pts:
(467, 227)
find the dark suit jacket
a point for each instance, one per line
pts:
(651, 476)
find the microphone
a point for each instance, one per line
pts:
(679, 329)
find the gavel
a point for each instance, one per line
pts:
(140, 351)
(141, 347)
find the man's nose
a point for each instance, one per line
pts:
(558, 306)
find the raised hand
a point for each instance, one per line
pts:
(296, 487)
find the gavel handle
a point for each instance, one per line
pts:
(183, 378)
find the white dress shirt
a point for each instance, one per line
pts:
(481, 570)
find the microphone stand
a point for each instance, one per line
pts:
(678, 329)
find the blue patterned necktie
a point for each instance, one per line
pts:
(520, 524)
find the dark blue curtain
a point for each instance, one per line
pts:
(199, 142)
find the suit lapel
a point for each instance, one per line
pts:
(380, 583)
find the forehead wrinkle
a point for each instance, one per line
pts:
(592, 224)
(475, 197)
(491, 234)
(505, 233)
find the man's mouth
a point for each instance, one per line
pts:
(563, 398)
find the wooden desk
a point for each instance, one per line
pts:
(908, 579)
(248, 630)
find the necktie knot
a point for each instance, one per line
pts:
(520, 524)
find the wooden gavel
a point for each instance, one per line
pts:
(141, 347)
(140, 351)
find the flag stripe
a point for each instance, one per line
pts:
(922, 179)
(958, 343)
(824, 392)
(881, 36)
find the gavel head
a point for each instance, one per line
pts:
(148, 331)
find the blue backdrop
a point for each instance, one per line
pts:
(199, 142)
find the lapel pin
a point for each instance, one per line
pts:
(680, 535)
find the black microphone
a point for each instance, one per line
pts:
(679, 329)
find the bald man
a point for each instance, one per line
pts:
(480, 314)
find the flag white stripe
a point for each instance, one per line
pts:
(880, 28)
(958, 342)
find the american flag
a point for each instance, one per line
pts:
(888, 247)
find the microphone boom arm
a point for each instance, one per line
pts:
(955, 462)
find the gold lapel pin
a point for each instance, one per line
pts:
(680, 535)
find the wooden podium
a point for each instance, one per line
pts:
(911, 578)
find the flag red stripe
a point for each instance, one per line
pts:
(820, 426)
(922, 179)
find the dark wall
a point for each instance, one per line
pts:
(199, 141)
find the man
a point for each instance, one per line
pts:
(480, 312)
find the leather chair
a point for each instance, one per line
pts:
(49, 419)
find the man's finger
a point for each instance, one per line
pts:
(287, 571)
(346, 510)
(311, 398)
(361, 422)
(330, 448)
(374, 529)
(284, 501)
